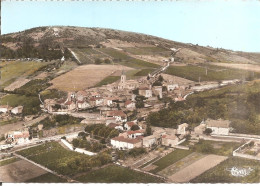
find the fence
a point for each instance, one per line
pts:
(77, 149)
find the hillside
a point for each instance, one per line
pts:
(51, 41)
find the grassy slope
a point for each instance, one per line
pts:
(107, 80)
(8, 161)
(169, 159)
(15, 69)
(214, 73)
(117, 174)
(46, 178)
(127, 60)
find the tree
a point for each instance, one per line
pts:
(107, 61)
(75, 142)
(135, 127)
(208, 131)
(139, 101)
(98, 61)
(160, 78)
(148, 130)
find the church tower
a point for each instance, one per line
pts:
(123, 77)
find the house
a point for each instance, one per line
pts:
(70, 105)
(170, 140)
(157, 90)
(130, 105)
(80, 95)
(149, 141)
(125, 143)
(5, 108)
(171, 87)
(83, 105)
(218, 127)
(134, 134)
(200, 128)
(129, 125)
(49, 104)
(99, 101)
(17, 110)
(119, 115)
(146, 92)
(18, 137)
(182, 128)
(115, 126)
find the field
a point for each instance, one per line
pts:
(248, 67)
(12, 70)
(117, 174)
(20, 171)
(107, 80)
(196, 168)
(53, 156)
(123, 59)
(147, 50)
(144, 72)
(214, 73)
(169, 159)
(222, 174)
(46, 178)
(31, 103)
(84, 77)
(8, 161)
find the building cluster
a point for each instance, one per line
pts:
(6, 109)
(18, 137)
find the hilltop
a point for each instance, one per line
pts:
(40, 41)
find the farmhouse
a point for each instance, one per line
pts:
(182, 128)
(134, 134)
(70, 105)
(218, 127)
(17, 110)
(125, 143)
(146, 92)
(200, 129)
(128, 125)
(5, 108)
(130, 105)
(18, 137)
(119, 115)
(170, 140)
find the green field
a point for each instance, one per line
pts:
(46, 178)
(54, 156)
(12, 120)
(221, 173)
(117, 174)
(15, 69)
(144, 72)
(124, 59)
(107, 80)
(31, 103)
(8, 161)
(214, 73)
(169, 159)
(215, 147)
(147, 50)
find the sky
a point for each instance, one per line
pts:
(229, 24)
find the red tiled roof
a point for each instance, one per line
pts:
(128, 102)
(113, 125)
(68, 103)
(130, 123)
(135, 132)
(116, 113)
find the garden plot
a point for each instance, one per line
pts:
(195, 169)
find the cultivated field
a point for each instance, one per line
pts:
(19, 171)
(46, 178)
(117, 174)
(176, 79)
(248, 67)
(17, 84)
(15, 69)
(195, 169)
(85, 76)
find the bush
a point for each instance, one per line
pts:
(137, 151)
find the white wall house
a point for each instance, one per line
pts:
(171, 87)
(17, 110)
(83, 104)
(146, 92)
(218, 127)
(125, 143)
(4, 108)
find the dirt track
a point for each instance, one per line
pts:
(195, 169)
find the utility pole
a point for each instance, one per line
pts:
(206, 71)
